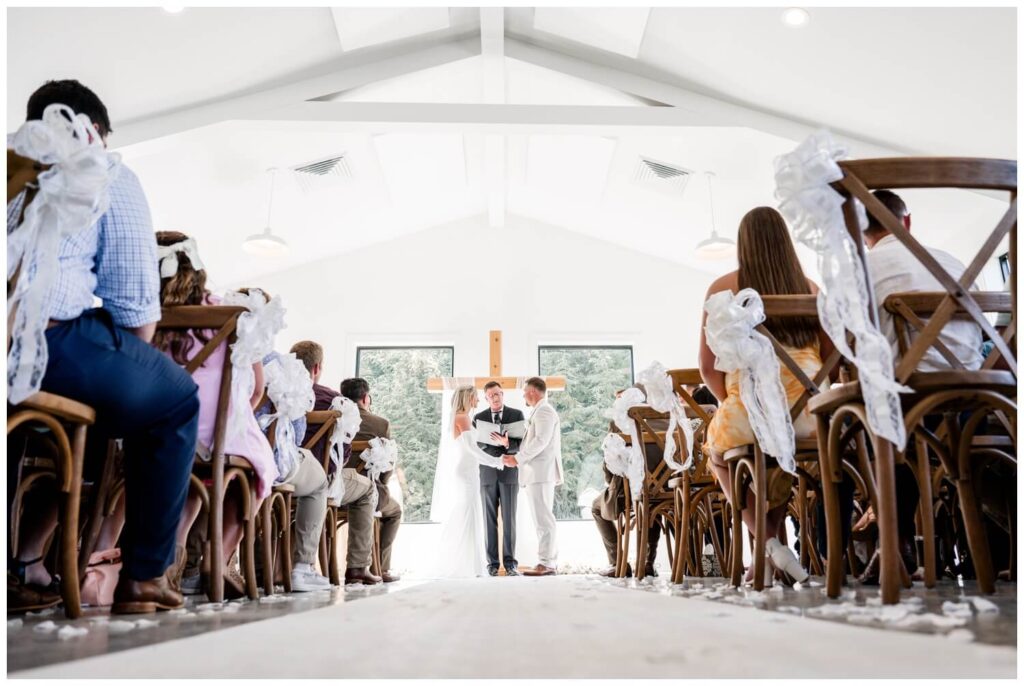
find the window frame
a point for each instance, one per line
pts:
(611, 346)
(361, 348)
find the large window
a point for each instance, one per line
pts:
(398, 388)
(593, 374)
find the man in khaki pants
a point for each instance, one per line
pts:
(357, 487)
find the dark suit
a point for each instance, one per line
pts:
(373, 426)
(500, 488)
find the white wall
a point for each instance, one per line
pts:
(450, 285)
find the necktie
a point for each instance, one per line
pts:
(497, 418)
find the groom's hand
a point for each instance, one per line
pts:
(509, 460)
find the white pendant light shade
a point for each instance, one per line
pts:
(714, 247)
(266, 244)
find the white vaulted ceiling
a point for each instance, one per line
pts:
(924, 81)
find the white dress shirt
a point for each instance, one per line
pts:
(894, 269)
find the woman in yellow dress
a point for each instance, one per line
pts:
(769, 265)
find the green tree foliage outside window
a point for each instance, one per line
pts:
(398, 388)
(593, 375)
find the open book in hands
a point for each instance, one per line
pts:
(485, 429)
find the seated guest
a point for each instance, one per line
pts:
(769, 265)
(101, 356)
(358, 391)
(358, 487)
(612, 502)
(186, 285)
(894, 269)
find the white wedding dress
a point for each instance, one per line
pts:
(460, 552)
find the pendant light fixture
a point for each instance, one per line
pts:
(266, 244)
(714, 247)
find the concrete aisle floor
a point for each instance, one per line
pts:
(567, 626)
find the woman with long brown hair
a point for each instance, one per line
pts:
(768, 264)
(183, 282)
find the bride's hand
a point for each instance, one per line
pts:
(500, 438)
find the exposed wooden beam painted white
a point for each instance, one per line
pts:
(704, 107)
(343, 74)
(492, 51)
(484, 118)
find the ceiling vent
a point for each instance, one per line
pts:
(323, 173)
(661, 177)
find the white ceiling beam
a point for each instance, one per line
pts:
(483, 118)
(492, 51)
(722, 112)
(340, 75)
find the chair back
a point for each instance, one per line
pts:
(223, 320)
(681, 378)
(656, 480)
(323, 421)
(910, 310)
(860, 177)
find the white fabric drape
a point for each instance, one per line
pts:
(291, 391)
(738, 347)
(662, 397)
(71, 197)
(345, 429)
(380, 457)
(815, 213)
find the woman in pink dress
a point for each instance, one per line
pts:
(187, 286)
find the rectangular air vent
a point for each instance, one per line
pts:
(322, 173)
(659, 176)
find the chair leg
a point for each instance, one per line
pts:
(888, 538)
(249, 552)
(642, 526)
(96, 511)
(215, 538)
(829, 453)
(375, 559)
(760, 514)
(736, 561)
(70, 502)
(268, 539)
(622, 555)
(285, 515)
(332, 548)
(925, 508)
(977, 539)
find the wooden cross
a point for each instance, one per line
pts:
(555, 383)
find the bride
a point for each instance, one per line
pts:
(460, 552)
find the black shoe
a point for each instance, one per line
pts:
(493, 571)
(512, 571)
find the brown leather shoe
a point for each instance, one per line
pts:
(136, 597)
(539, 570)
(361, 575)
(389, 577)
(28, 597)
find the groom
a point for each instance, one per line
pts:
(540, 459)
(499, 486)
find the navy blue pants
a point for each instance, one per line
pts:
(142, 396)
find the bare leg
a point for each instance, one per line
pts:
(39, 522)
(188, 517)
(110, 531)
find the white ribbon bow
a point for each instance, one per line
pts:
(291, 391)
(662, 397)
(815, 212)
(631, 397)
(738, 347)
(256, 330)
(621, 461)
(168, 255)
(345, 429)
(72, 196)
(380, 457)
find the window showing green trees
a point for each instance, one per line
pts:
(593, 375)
(398, 388)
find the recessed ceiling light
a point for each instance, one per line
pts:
(173, 9)
(795, 16)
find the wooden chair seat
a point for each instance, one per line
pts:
(806, 450)
(284, 488)
(331, 502)
(922, 383)
(59, 406)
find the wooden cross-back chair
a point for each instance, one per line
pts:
(749, 466)
(65, 421)
(276, 519)
(982, 392)
(699, 499)
(336, 517)
(657, 497)
(215, 475)
(939, 395)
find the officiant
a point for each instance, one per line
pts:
(499, 488)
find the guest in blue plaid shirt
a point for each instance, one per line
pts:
(100, 355)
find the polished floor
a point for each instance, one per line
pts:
(566, 626)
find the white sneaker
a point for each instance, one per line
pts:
(785, 560)
(305, 579)
(190, 585)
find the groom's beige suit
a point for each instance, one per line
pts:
(540, 470)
